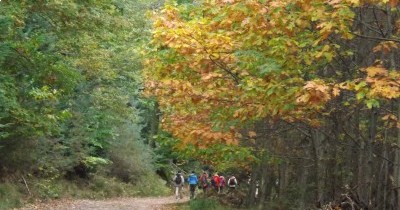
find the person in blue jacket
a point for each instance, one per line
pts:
(192, 180)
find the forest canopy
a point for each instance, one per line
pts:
(291, 81)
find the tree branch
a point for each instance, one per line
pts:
(233, 75)
(376, 38)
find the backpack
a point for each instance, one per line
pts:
(178, 179)
(232, 181)
(222, 183)
(213, 182)
(204, 179)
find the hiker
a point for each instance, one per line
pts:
(192, 180)
(178, 182)
(222, 183)
(203, 181)
(232, 183)
(216, 182)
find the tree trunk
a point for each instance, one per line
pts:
(250, 200)
(154, 123)
(283, 179)
(316, 140)
(303, 185)
(368, 172)
(396, 190)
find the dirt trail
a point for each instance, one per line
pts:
(148, 203)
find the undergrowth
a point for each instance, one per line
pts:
(201, 204)
(10, 196)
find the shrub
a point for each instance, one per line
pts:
(9, 196)
(206, 203)
(131, 158)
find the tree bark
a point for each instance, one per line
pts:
(396, 190)
(316, 139)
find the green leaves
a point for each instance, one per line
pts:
(4, 134)
(93, 162)
(69, 70)
(256, 62)
(371, 103)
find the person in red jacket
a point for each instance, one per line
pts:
(216, 182)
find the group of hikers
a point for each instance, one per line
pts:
(205, 182)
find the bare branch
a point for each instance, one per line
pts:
(377, 38)
(227, 70)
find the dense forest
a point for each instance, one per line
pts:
(299, 98)
(71, 113)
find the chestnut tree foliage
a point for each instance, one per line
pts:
(279, 85)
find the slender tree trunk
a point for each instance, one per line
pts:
(396, 167)
(385, 172)
(283, 179)
(382, 178)
(263, 195)
(361, 173)
(316, 139)
(266, 183)
(362, 165)
(252, 185)
(369, 166)
(303, 185)
(395, 192)
(392, 66)
(154, 123)
(336, 183)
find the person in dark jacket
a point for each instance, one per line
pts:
(179, 180)
(204, 181)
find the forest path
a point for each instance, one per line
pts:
(145, 203)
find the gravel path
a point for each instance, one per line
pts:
(148, 203)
